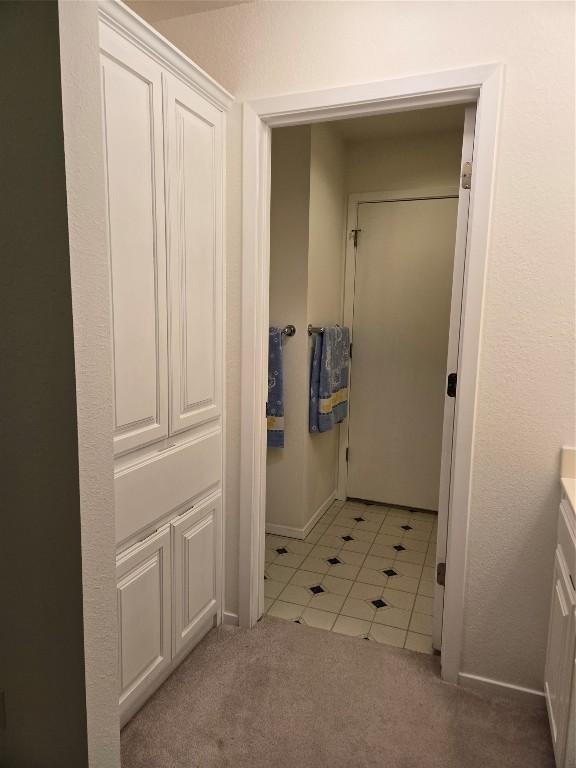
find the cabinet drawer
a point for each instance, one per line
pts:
(144, 616)
(196, 547)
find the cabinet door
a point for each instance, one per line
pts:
(133, 138)
(559, 656)
(194, 150)
(144, 626)
(197, 543)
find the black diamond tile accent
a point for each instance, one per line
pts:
(406, 527)
(398, 547)
(297, 621)
(317, 590)
(333, 561)
(379, 603)
(282, 551)
(390, 572)
(347, 538)
(359, 519)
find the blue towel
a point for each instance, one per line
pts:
(329, 379)
(275, 403)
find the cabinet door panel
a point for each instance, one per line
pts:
(144, 614)
(194, 200)
(197, 570)
(559, 656)
(132, 96)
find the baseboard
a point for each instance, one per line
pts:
(230, 619)
(301, 533)
(499, 688)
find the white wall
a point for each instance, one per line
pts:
(525, 406)
(325, 284)
(306, 269)
(89, 266)
(286, 492)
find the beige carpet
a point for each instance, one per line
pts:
(289, 696)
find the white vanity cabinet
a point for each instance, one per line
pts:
(559, 678)
(163, 132)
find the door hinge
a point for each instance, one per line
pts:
(466, 175)
(350, 350)
(441, 574)
(347, 454)
(354, 236)
(452, 384)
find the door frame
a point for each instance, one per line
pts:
(481, 84)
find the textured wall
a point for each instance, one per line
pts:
(526, 387)
(89, 267)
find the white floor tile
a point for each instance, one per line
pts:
(404, 583)
(267, 603)
(421, 623)
(424, 604)
(327, 601)
(273, 588)
(315, 564)
(409, 556)
(420, 643)
(392, 617)
(362, 591)
(289, 611)
(426, 588)
(387, 635)
(290, 559)
(397, 599)
(371, 576)
(337, 586)
(320, 619)
(343, 571)
(306, 578)
(345, 625)
(278, 572)
(358, 609)
(295, 594)
(428, 573)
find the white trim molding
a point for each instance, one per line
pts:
(301, 533)
(498, 688)
(481, 84)
(230, 619)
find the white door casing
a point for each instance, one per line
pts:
(446, 498)
(134, 157)
(482, 84)
(195, 254)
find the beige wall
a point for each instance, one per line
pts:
(325, 282)
(306, 268)
(404, 162)
(286, 486)
(525, 407)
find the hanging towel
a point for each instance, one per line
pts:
(329, 378)
(275, 403)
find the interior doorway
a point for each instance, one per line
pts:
(480, 85)
(353, 511)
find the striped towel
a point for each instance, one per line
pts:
(329, 379)
(275, 404)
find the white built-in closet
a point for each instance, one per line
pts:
(164, 125)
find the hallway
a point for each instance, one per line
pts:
(289, 696)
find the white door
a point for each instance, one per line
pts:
(144, 626)
(133, 146)
(194, 205)
(403, 283)
(197, 566)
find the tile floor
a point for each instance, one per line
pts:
(364, 570)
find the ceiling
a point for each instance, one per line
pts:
(158, 10)
(433, 120)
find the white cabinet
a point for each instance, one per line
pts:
(194, 190)
(164, 123)
(133, 136)
(144, 615)
(197, 569)
(559, 679)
